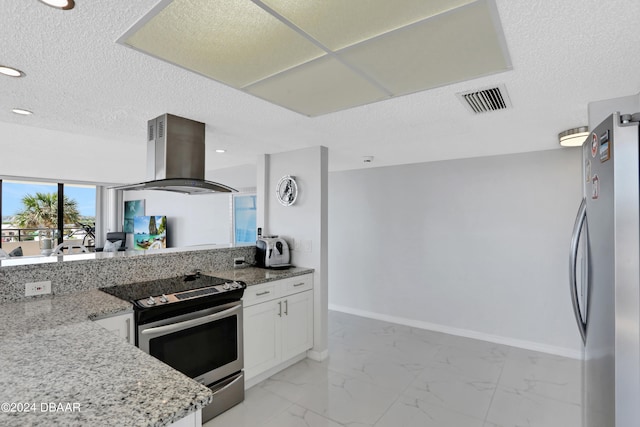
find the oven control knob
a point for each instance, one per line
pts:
(151, 301)
(226, 286)
(164, 299)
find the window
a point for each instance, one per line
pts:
(80, 226)
(29, 211)
(244, 219)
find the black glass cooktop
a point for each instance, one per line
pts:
(136, 291)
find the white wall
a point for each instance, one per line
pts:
(242, 177)
(476, 247)
(198, 219)
(191, 220)
(305, 222)
(28, 152)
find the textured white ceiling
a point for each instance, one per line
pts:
(98, 95)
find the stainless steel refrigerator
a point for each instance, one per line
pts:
(605, 273)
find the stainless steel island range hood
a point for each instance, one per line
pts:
(175, 158)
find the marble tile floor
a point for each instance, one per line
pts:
(386, 375)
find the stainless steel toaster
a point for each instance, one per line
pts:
(272, 252)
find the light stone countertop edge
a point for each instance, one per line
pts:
(256, 275)
(51, 351)
(93, 365)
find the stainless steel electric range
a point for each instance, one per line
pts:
(194, 324)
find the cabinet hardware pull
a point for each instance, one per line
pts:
(298, 284)
(280, 308)
(286, 307)
(263, 293)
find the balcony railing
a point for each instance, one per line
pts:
(29, 238)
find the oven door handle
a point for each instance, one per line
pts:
(174, 327)
(226, 384)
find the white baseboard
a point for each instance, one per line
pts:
(529, 345)
(318, 356)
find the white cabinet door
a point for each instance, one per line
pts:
(278, 323)
(120, 324)
(262, 339)
(297, 324)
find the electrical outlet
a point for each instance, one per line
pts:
(306, 246)
(238, 262)
(37, 288)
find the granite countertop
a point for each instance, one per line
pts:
(255, 275)
(51, 353)
(130, 253)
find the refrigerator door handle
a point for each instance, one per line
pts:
(573, 258)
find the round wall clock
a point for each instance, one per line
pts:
(287, 190)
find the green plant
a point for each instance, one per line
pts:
(163, 225)
(41, 211)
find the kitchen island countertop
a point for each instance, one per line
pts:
(60, 368)
(52, 353)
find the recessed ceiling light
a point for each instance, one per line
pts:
(22, 112)
(10, 71)
(221, 151)
(60, 4)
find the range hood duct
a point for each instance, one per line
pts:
(175, 158)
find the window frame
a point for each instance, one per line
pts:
(60, 193)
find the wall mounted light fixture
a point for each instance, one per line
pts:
(574, 137)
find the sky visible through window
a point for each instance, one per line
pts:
(13, 192)
(244, 210)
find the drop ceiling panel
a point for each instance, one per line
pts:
(269, 47)
(459, 45)
(341, 23)
(235, 42)
(319, 87)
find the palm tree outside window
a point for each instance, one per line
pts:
(30, 212)
(41, 211)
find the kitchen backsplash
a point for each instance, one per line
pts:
(71, 275)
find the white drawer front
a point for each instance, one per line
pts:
(260, 293)
(297, 284)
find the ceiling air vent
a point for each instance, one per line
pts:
(487, 99)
